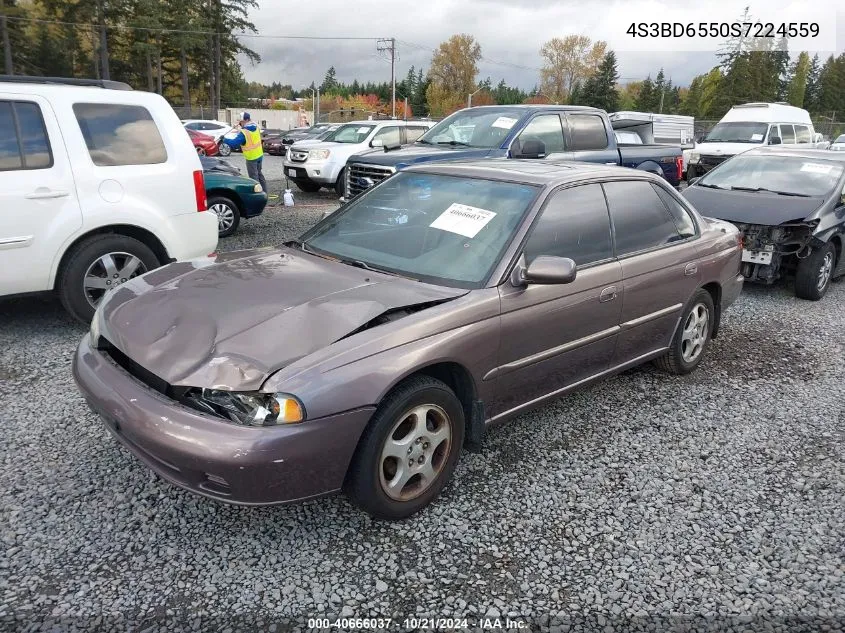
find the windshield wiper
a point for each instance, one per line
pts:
(359, 264)
(709, 186)
(424, 142)
(780, 193)
(454, 143)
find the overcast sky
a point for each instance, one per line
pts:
(510, 33)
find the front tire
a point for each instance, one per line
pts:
(228, 215)
(224, 149)
(97, 265)
(692, 337)
(340, 185)
(815, 272)
(409, 450)
(308, 186)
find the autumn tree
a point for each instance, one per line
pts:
(575, 58)
(454, 67)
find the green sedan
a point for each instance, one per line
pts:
(231, 196)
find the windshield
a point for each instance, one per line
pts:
(840, 139)
(782, 174)
(351, 133)
(484, 128)
(737, 132)
(446, 230)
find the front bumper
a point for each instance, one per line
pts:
(252, 203)
(322, 173)
(211, 457)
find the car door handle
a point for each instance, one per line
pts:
(690, 269)
(46, 194)
(608, 294)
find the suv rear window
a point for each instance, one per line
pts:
(120, 134)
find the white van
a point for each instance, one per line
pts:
(98, 184)
(751, 125)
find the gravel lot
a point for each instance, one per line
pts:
(707, 502)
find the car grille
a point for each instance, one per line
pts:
(361, 177)
(712, 161)
(138, 372)
(298, 155)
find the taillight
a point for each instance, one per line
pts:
(199, 191)
(679, 163)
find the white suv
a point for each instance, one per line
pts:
(314, 165)
(98, 184)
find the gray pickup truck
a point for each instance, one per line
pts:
(517, 132)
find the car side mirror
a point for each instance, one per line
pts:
(547, 270)
(377, 142)
(531, 148)
(775, 140)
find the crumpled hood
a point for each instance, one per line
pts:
(230, 325)
(747, 207)
(417, 153)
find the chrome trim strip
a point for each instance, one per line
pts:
(631, 363)
(549, 353)
(16, 242)
(650, 317)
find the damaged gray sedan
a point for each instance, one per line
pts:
(365, 355)
(790, 206)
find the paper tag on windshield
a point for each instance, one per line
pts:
(756, 137)
(463, 220)
(504, 122)
(363, 130)
(816, 168)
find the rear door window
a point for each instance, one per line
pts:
(640, 219)
(413, 133)
(389, 136)
(802, 134)
(683, 219)
(24, 143)
(120, 134)
(587, 132)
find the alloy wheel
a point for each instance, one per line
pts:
(415, 452)
(225, 216)
(200, 151)
(695, 331)
(825, 271)
(108, 272)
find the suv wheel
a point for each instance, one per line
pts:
(408, 451)
(97, 265)
(340, 185)
(228, 215)
(815, 272)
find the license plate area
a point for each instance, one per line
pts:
(763, 257)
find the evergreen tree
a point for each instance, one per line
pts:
(645, 99)
(329, 81)
(797, 89)
(600, 89)
(811, 94)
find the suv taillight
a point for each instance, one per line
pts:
(679, 163)
(199, 191)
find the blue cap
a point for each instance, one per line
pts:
(244, 116)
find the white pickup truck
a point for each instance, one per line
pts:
(315, 165)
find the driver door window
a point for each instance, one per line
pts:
(547, 129)
(389, 136)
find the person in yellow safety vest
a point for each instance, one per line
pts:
(248, 140)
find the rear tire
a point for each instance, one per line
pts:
(82, 263)
(691, 338)
(228, 215)
(814, 273)
(420, 420)
(224, 149)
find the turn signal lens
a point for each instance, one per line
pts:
(285, 409)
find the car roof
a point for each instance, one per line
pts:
(815, 154)
(532, 106)
(535, 172)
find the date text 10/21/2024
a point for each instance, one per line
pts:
(417, 623)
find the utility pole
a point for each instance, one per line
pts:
(7, 47)
(406, 108)
(388, 46)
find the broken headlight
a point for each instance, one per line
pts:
(250, 408)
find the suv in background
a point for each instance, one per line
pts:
(133, 197)
(323, 164)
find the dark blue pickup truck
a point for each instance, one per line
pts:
(517, 132)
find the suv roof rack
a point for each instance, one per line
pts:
(67, 81)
